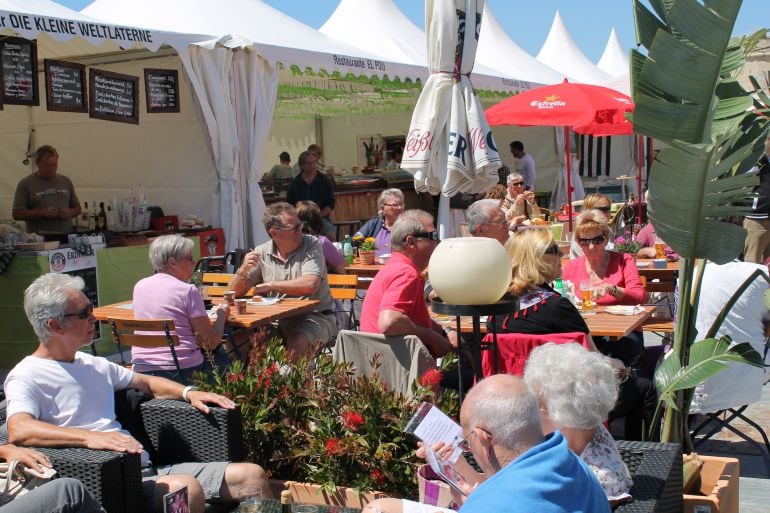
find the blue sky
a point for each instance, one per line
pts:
(526, 22)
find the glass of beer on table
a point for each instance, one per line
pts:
(587, 297)
(660, 248)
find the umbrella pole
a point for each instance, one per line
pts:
(639, 180)
(569, 178)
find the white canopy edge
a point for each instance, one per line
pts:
(399, 40)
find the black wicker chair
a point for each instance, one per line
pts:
(656, 469)
(171, 431)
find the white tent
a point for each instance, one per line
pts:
(396, 38)
(105, 159)
(614, 62)
(561, 53)
(498, 51)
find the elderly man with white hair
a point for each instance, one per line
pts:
(518, 201)
(61, 397)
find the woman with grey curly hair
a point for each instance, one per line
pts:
(577, 389)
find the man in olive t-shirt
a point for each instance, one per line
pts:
(46, 200)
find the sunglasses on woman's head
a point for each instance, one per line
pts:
(603, 209)
(596, 240)
(85, 313)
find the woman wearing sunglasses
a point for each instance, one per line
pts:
(602, 204)
(614, 276)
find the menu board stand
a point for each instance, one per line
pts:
(18, 59)
(113, 96)
(65, 86)
(161, 87)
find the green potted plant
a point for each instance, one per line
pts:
(686, 96)
(315, 421)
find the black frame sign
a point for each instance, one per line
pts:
(19, 71)
(161, 87)
(113, 96)
(65, 86)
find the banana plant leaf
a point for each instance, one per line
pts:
(707, 358)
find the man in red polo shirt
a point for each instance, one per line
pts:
(394, 303)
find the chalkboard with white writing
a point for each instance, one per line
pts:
(161, 88)
(113, 96)
(19, 75)
(65, 86)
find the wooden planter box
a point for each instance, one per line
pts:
(719, 486)
(310, 493)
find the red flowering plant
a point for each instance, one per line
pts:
(316, 421)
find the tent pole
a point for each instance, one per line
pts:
(569, 178)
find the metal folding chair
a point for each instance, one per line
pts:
(158, 334)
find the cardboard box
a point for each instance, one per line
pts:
(719, 486)
(165, 223)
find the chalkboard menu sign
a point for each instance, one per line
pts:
(65, 86)
(19, 71)
(113, 96)
(162, 90)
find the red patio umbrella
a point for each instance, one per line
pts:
(584, 108)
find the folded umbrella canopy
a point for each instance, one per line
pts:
(450, 148)
(584, 108)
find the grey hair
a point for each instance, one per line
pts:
(514, 176)
(388, 193)
(480, 212)
(504, 406)
(273, 217)
(578, 387)
(48, 298)
(409, 223)
(167, 247)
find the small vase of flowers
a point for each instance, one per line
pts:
(627, 243)
(366, 249)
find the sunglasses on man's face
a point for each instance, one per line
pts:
(291, 228)
(427, 235)
(85, 313)
(595, 241)
(517, 184)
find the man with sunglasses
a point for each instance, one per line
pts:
(394, 303)
(519, 202)
(293, 264)
(61, 397)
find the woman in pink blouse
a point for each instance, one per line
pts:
(614, 275)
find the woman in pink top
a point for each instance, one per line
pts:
(168, 295)
(614, 275)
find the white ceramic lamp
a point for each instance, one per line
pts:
(470, 271)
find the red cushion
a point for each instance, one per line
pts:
(513, 350)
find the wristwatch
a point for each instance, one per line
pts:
(614, 291)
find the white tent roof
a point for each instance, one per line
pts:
(394, 36)
(614, 60)
(498, 51)
(561, 53)
(52, 24)
(278, 37)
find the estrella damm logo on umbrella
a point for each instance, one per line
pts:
(549, 102)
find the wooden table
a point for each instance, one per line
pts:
(254, 317)
(600, 324)
(666, 277)
(365, 273)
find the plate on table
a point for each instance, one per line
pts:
(624, 309)
(643, 264)
(265, 301)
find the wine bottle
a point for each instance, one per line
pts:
(286, 501)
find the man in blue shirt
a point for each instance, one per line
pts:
(526, 471)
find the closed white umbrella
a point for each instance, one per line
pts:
(450, 147)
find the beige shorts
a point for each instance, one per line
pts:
(317, 327)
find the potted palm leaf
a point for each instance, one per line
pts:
(687, 97)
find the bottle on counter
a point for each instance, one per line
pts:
(347, 249)
(101, 220)
(83, 223)
(286, 501)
